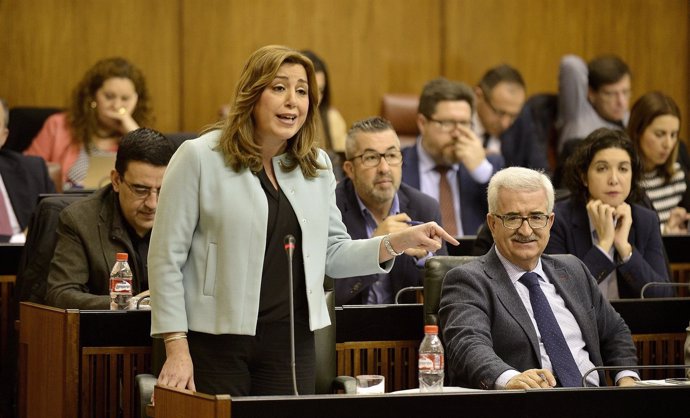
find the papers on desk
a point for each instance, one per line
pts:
(446, 389)
(664, 382)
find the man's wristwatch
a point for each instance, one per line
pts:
(389, 247)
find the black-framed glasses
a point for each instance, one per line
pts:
(535, 220)
(448, 125)
(498, 112)
(141, 192)
(373, 158)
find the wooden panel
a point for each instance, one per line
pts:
(660, 349)
(680, 273)
(370, 47)
(173, 403)
(395, 360)
(49, 44)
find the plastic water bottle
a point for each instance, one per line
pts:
(430, 361)
(120, 283)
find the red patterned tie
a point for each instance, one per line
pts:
(445, 200)
(5, 226)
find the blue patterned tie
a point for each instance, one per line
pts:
(562, 360)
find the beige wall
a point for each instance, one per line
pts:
(193, 50)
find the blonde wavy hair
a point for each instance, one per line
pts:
(237, 141)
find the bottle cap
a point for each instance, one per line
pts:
(431, 329)
(121, 257)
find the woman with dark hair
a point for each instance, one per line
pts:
(217, 263)
(110, 100)
(334, 129)
(653, 127)
(601, 224)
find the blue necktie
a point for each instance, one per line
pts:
(562, 360)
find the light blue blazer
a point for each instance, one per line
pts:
(207, 245)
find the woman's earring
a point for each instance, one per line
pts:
(94, 104)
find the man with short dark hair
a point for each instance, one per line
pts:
(373, 202)
(22, 180)
(516, 318)
(592, 96)
(449, 162)
(116, 218)
(505, 123)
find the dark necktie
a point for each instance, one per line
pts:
(445, 201)
(5, 226)
(562, 360)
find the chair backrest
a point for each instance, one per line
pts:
(401, 110)
(24, 125)
(39, 248)
(435, 270)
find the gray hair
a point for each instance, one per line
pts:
(371, 125)
(519, 178)
(6, 110)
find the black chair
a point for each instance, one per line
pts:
(24, 125)
(324, 341)
(435, 271)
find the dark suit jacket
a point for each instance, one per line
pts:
(419, 207)
(570, 234)
(487, 330)
(25, 178)
(91, 231)
(472, 194)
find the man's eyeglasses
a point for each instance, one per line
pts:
(450, 125)
(141, 192)
(373, 158)
(499, 113)
(535, 221)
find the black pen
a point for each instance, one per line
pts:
(413, 223)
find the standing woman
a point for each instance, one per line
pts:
(217, 266)
(110, 100)
(616, 238)
(653, 127)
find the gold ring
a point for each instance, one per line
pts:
(122, 111)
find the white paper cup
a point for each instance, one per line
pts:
(370, 384)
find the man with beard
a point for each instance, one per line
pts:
(449, 162)
(516, 318)
(374, 202)
(116, 219)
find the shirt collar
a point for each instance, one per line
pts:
(515, 272)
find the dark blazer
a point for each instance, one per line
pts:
(90, 232)
(570, 234)
(419, 207)
(472, 194)
(25, 177)
(487, 330)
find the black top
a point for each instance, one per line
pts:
(139, 258)
(274, 300)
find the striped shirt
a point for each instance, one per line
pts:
(664, 196)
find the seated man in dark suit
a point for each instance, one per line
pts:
(22, 179)
(374, 202)
(449, 162)
(116, 219)
(518, 319)
(503, 121)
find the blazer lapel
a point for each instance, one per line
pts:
(509, 298)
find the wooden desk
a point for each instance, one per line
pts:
(80, 363)
(563, 403)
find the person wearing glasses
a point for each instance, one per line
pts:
(116, 218)
(603, 224)
(449, 162)
(591, 96)
(505, 123)
(516, 318)
(374, 202)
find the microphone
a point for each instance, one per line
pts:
(660, 284)
(289, 250)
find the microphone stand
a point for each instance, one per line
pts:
(289, 249)
(661, 284)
